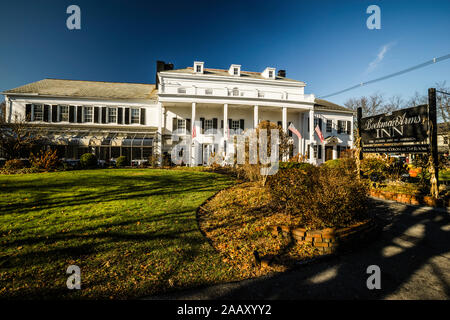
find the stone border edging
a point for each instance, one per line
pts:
(409, 198)
(329, 240)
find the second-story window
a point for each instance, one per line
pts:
(181, 125)
(135, 116)
(209, 124)
(235, 125)
(341, 126)
(112, 115)
(329, 125)
(63, 113)
(87, 114)
(235, 92)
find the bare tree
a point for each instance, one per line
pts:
(443, 107)
(19, 137)
(394, 103)
(371, 105)
(416, 100)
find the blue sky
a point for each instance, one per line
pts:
(324, 43)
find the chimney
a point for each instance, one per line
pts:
(162, 66)
(282, 73)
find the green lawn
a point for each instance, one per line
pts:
(133, 232)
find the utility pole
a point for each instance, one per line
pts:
(432, 127)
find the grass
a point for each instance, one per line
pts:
(133, 233)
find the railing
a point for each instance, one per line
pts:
(235, 92)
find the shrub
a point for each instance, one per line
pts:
(14, 164)
(88, 161)
(45, 160)
(121, 162)
(294, 165)
(379, 168)
(319, 196)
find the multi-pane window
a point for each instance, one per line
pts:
(209, 125)
(38, 112)
(199, 68)
(112, 115)
(87, 117)
(134, 115)
(445, 140)
(181, 125)
(260, 94)
(208, 91)
(235, 92)
(270, 74)
(235, 125)
(235, 71)
(341, 126)
(63, 113)
(315, 151)
(329, 125)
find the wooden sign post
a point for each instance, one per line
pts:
(434, 160)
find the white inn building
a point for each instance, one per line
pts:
(137, 120)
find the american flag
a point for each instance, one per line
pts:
(319, 133)
(294, 131)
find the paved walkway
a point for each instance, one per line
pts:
(413, 253)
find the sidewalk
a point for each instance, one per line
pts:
(413, 253)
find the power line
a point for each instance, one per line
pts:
(434, 60)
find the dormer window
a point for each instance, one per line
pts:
(269, 73)
(235, 70)
(198, 67)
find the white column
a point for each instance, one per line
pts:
(159, 140)
(225, 121)
(255, 117)
(334, 152)
(193, 153)
(284, 119)
(300, 129)
(311, 135)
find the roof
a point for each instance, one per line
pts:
(320, 104)
(222, 72)
(87, 89)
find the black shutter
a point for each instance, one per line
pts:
(46, 113)
(96, 112)
(54, 113)
(349, 127)
(142, 115)
(79, 114)
(119, 115)
(320, 124)
(214, 123)
(319, 151)
(103, 114)
(241, 124)
(308, 124)
(221, 124)
(28, 112)
(174, 124)
(71, 113)
(202, 125)
(230, 121)
(188, 125)
(127, 116)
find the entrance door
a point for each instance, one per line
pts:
(328, 153)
